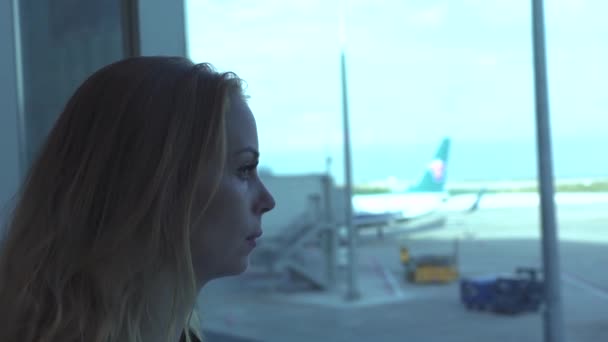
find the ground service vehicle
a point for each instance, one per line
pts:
(427, 269)
(509, 294)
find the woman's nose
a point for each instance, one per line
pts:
(267, 201)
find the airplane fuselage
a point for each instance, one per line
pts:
(407, 205)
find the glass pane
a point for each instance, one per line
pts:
(63, 42)
(448, 229)
(577, 51)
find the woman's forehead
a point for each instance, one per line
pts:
(241, 128)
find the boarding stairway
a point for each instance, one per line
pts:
(294, 252)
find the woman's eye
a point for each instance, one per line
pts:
(247, 170)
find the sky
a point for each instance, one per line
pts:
(417, 70)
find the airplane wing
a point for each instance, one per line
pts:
(394, 228)
(362, 220)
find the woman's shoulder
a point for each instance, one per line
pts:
(194, 329)
(194, 337)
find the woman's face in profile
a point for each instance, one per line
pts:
(225, 236)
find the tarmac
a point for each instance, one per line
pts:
(492, 240)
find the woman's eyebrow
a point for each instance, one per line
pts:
(249, 149)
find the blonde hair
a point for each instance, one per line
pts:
(109, 200)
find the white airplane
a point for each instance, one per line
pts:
(420, 200)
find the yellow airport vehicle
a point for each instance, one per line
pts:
(430, 269)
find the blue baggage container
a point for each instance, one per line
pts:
(509, 294)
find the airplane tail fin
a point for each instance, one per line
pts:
(434, 177)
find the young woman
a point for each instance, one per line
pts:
(145, 190)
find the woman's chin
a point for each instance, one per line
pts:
(234, 269)
(242, 267)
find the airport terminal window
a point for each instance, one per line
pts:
(62, 43)
(441, 100)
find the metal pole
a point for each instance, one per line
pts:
(553, 316)
(25, 157)
(352, 293)
(353, 288)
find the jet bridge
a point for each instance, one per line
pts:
(302, 221)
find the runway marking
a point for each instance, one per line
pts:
(585, 285)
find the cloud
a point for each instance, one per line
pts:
(488, 60)
(568, 6)
(497, 12)
(432, 16)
